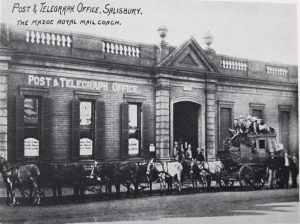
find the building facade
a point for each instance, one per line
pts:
(69, 97)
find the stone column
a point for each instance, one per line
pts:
(211, 114)
(162, 119)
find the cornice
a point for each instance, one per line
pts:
(59, 61)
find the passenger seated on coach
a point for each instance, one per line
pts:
(235, 127)
(263, 128)
(239, 136)
(251, 125)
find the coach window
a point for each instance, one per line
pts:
(31, 126)
(87, 124)
(134, 129)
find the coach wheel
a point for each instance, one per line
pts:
(224, 181)
(246, 177)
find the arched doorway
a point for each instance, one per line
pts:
(187, 124)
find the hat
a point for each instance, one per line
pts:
(235, 118)
(241, 117)
(249, 117)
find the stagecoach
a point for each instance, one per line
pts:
(246, 164)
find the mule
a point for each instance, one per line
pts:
(20, 177)
(103, 174)
(57, 176)
(166, 172)
(117, 174)
(141, 177)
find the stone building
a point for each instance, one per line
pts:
(69, 97)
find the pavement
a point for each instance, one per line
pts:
(261, 206)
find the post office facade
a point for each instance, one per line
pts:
(70, 97)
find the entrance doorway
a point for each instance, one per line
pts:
(186, 124)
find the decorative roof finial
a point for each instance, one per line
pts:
(162, 31)
(208, 40)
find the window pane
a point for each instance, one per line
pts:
(31, 111)
(85, 114)
(133, 116)
(134, 129)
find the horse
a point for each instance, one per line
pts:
(209, 169)
(20, 177)
(57, 176)
(166, 172)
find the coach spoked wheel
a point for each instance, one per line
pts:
(246, 177)
(224, 181)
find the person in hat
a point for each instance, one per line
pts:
(286, 162)
(271, 171)
(188, 153)
(235, 127)
(200, 155)
(254, 124)
(262, 127)
(294, 169)
(177, 152)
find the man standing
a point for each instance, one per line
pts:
(177, 152)
(294, 170)
(188, 153)
(271, 171)
(286, 170)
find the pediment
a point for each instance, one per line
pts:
(189, 56)
(189, 59)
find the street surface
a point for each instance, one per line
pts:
(261, 206)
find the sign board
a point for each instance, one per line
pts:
(86, 147)
(152, 148)
(31, 147)
(133, 146)
(81, 84)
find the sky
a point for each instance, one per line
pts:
(252, 30)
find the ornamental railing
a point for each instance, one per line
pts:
(276, 70)
(234, 64)
(47, 38)
(121, 49)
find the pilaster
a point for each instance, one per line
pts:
(211, 114)
(162, 103)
